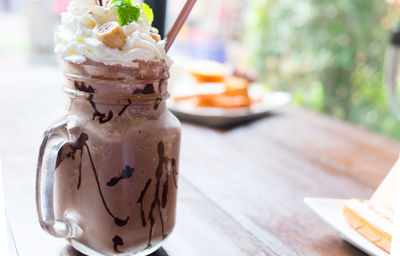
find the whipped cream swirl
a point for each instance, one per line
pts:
(76, 39)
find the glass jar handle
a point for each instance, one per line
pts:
(54, 139)
(392, 59)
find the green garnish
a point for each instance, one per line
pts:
(126, 11)
(148, 13)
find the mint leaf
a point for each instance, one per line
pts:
(148, 13)
(126, 11)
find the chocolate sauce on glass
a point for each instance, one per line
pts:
(80, 145)
(117, 177)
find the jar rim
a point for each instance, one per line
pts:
(116, 99)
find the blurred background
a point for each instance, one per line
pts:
(328, 54)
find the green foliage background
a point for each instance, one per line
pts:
(329, 54)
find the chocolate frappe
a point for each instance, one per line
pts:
(117, 179)
(115, 152)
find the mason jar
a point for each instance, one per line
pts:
(107, 174)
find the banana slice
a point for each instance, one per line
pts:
(154, 34)
(112, 35)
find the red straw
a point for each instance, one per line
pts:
(172, 34)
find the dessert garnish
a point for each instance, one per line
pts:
(114, 32)
(112, 35)
(128, 11)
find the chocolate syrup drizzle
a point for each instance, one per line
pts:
(140, 201)
(126, 174)
(172, 170)
(162, 167)
(82, 87)
(117, 240)
(80, 144)
(75, 146)
(125, 107)
(157, 103)
(102, 118)
(148, 89)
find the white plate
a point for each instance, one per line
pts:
(330, 210)
(218, 117)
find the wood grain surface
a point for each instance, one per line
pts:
(241, 189)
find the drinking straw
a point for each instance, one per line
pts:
(171, 36)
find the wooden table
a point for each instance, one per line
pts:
(241, 190)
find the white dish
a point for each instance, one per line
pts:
(330, 210)
(218, 117)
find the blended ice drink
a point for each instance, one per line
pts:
(108, 170)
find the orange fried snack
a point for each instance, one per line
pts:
(222, 101)
(207, 78)
(234, 96)
(208, 72)
(372, 221)
(236, 86)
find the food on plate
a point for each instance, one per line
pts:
(373, 219)
(208, 71)
(222, 101)
(234, 94)
(216, 87)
